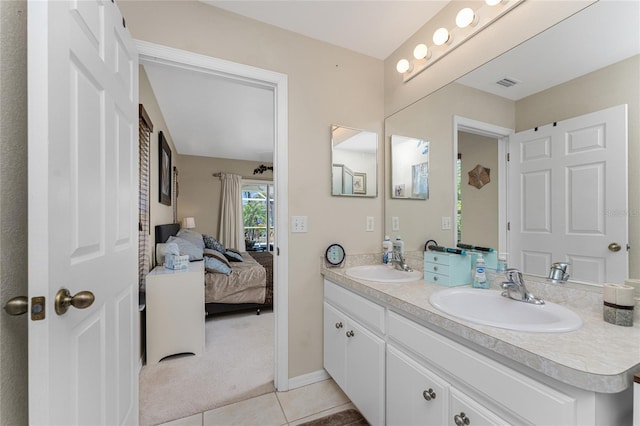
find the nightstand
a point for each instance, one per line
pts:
(175, 311)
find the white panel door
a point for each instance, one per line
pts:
(568, 186)
(365, 371)
(83, 147)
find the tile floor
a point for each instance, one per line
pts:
(276, 408)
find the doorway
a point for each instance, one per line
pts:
(469, 127)
(157, 54)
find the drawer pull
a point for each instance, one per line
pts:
(429, 394)
(435, 268)
(350, 333)
(339, 324)
(461, 419)
(435, 258)
(435, 278)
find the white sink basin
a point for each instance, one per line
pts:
(383, 273)
(488, 307)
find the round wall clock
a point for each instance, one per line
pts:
(334, 255)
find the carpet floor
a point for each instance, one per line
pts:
(237, 364)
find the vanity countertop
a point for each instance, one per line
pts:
(598, 357)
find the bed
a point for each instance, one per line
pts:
(249, 285)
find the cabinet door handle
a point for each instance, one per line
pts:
(350, 333)
(339, 324)
(429, 394)
(461, 419)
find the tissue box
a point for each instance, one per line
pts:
(171, 261)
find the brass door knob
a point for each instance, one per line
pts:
(17, 306)
(80, 300)
(614, 247)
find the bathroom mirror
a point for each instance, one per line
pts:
(609, 78)
(354, 158)
(409, 168)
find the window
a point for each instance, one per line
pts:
(257, 212)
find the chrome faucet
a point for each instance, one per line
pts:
(558, 272)
(397, 259)
(515, 288)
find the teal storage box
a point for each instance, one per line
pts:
(447, 269)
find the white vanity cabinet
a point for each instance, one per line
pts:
(418, 396)
(415, 396)
(354, 354)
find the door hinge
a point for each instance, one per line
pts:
(508, 156)
(508, 226)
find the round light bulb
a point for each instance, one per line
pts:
(465, 17)
(492, 2)
(421, 51)
(441, 36)
(403, 66)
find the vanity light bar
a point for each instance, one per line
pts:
(468, 24)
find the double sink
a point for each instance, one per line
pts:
(480, 306)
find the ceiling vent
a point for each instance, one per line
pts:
(508, 82)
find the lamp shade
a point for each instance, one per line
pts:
(188, 222)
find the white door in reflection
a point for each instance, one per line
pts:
(568, 183)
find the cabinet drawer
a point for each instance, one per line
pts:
(356, 306)
(441, 258)
(487, 376)
(437, 278)
(436, 268)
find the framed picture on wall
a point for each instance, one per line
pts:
(359, 183)
(165, 170)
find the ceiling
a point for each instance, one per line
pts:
(211, 116)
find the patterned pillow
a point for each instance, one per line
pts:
(187, 248)
(212, 243)
(233, 255)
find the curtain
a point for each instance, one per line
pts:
(231, 225)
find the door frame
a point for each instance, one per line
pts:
(502, 134)
(278, 82)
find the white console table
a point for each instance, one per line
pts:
(175, 311)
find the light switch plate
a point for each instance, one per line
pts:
(446, 222)
(395, 223)
(370, 224)
(299, 224)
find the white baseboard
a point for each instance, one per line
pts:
(308, 379)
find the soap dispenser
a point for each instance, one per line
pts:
(479, 276)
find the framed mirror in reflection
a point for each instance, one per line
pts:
(409, 168)
(354, 158)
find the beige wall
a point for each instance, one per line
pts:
(13, 209)
(200, 190)
(479, 206)
(327, 85)
(160, 213)
(614, 85)
(521, 23)
(431, 119)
